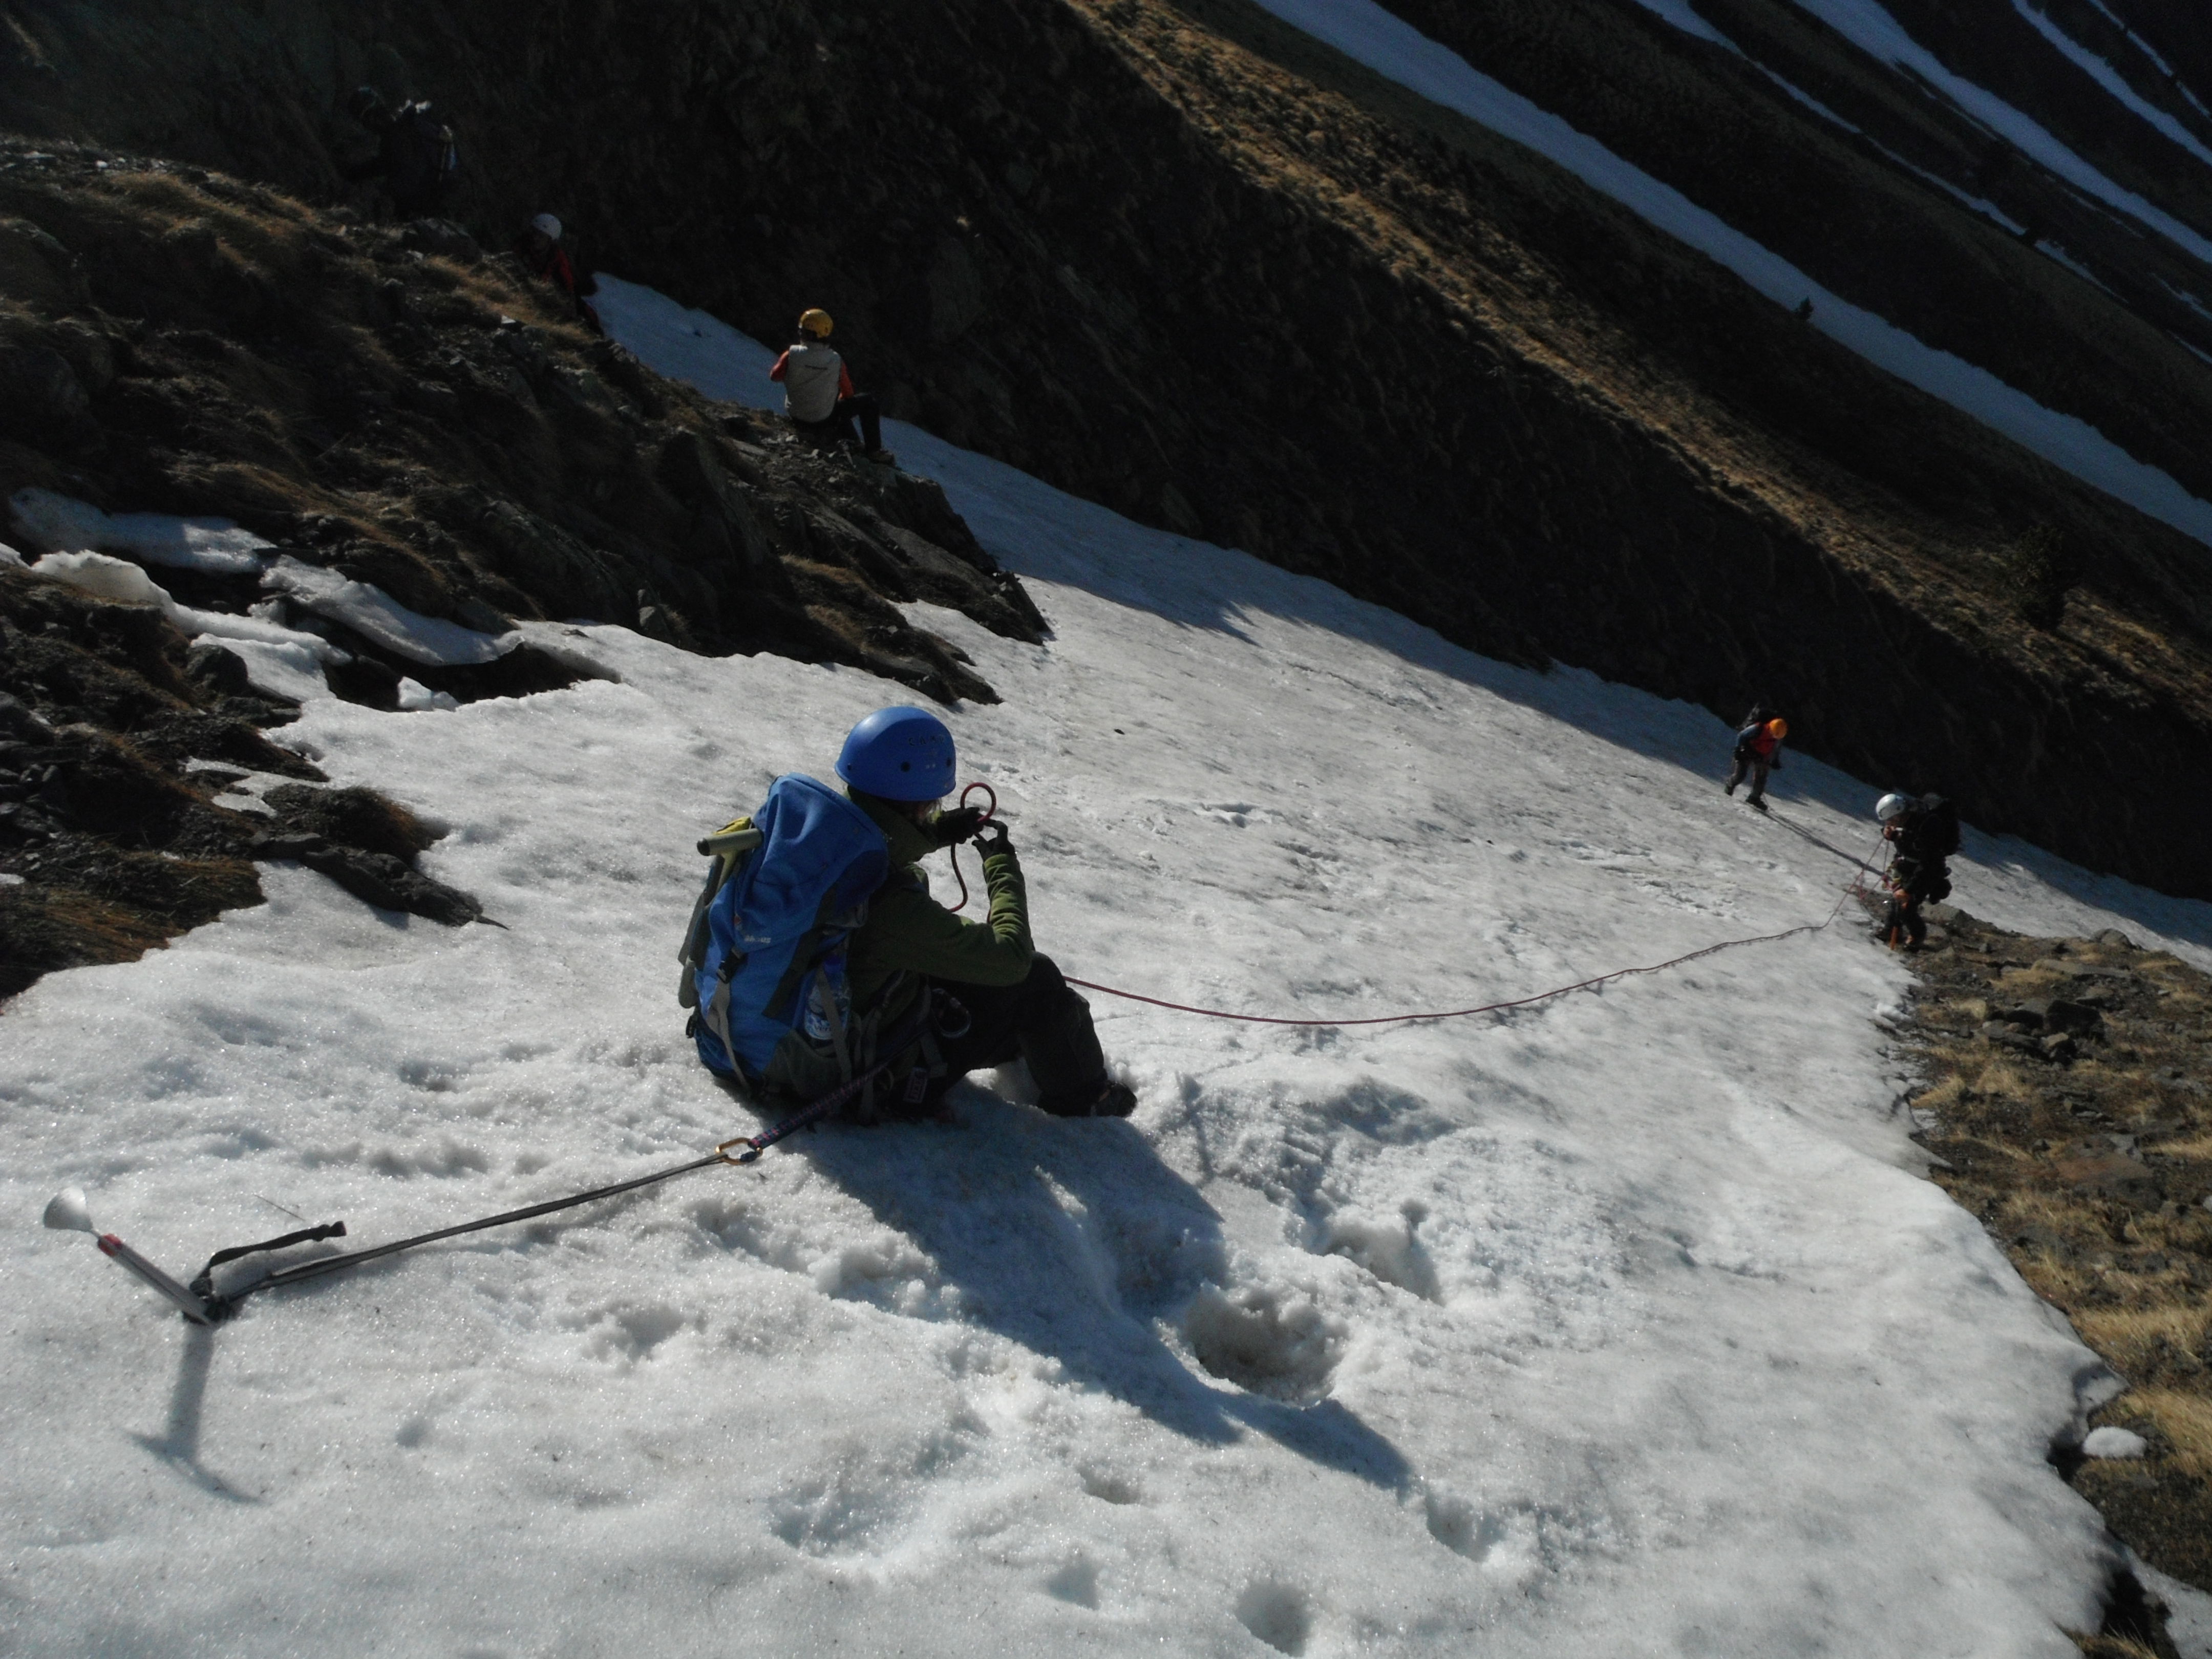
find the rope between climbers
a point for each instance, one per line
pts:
(1825, 923)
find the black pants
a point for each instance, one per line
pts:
(1903, 922)
(1041, 1020)
(861, 405)
(1758, 765)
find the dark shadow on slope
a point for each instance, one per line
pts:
(178, 1444)
(1072, 1238)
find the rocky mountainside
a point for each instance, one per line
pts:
(1175, 255)
(385, 413)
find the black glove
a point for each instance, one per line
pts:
(955, 825)
(992, 838)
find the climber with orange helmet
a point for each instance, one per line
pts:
(1758, 751)
(818, 391)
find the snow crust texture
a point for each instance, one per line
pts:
(1625, 1325)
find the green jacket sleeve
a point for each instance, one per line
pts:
(908, 930)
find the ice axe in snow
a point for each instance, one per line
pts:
(67, 1214)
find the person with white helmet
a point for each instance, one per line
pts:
(538, 250)
(1923, 831)
(817, 390)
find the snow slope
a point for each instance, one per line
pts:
(2097, 69)
(1868, 25)
(1368, 34)
(1625, 1325)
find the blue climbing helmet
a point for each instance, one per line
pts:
(899, 754)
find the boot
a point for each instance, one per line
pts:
(1116, 1100)
(1061, 1047)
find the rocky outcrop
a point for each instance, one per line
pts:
(427, 422)
(1180, 259)
(2063, 1093)
(379, 407)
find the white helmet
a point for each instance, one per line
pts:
(547, 223)
(1892, 807)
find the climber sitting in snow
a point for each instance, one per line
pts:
(816, 954)
(539, 252)
(817, 390)
(1758, 751)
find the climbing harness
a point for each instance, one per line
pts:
(953, 851)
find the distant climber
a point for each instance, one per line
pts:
(1758, 751)
(1924, 833)
(818, 391)
(820, 956)
(416, 155)
(538, 250)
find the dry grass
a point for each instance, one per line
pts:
(2184, 1420)
(2092, 1170)
(2113, 1647)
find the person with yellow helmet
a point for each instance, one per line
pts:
(818, 391)
(1758, 751)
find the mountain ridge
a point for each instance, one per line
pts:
(1095, 241)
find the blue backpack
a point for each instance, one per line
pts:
(764, 956)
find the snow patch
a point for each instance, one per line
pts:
(2058, 254)
(378, 617)
(1684, 16)
(56, 523)
(416, 698)
(2110, 1442)
(281, 662)
(2113, 81)
(2189, 1611)
(887, 1378)
(1869, 26)
(1363, 31)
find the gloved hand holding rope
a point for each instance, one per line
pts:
(975, 823)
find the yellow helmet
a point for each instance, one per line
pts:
(816, 321)
(1778, 728)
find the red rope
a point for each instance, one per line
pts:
(1487, 1007)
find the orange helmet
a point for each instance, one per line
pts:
(1777, 729)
